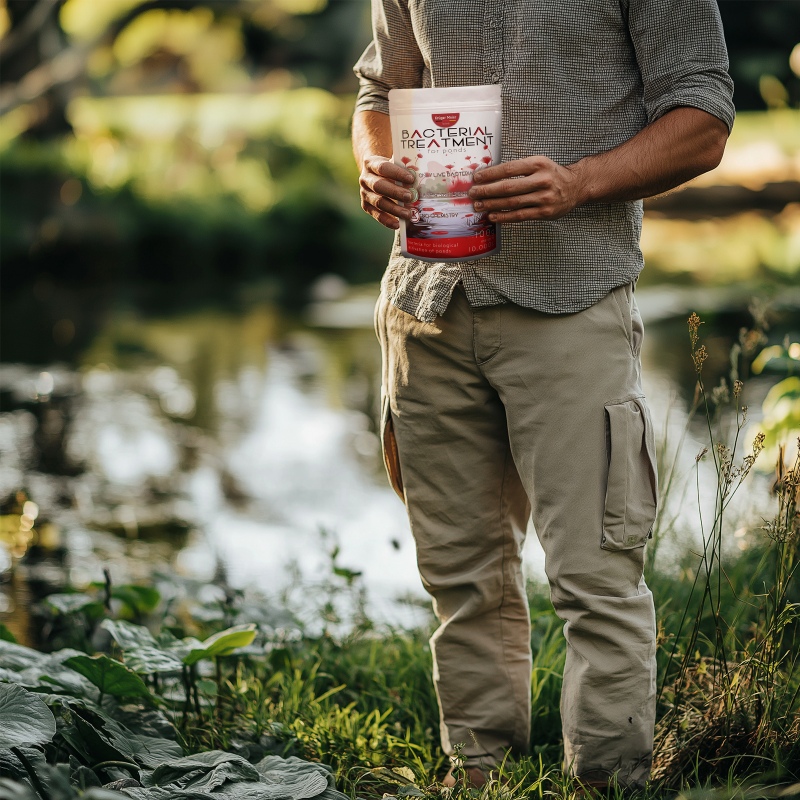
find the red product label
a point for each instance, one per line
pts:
(457, 247)
(445, 120)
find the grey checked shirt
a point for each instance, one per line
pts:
(579, 77)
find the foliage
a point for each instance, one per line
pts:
(730, 685)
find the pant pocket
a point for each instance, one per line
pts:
(391, 458)
(631, 491)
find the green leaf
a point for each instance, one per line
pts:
(140, 599)
(109, 676)
(127, 635)
(24, 718)
(73, 603)
(17, 657)
(6, 635)
(11, 790)
(222, 643)
(12, 767)
(142, 653)
(94, 733)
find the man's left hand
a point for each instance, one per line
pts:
(529, 188)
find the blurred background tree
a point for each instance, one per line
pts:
(169, 152)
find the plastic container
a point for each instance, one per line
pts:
(444, 136)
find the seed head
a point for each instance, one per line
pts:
(698, 357)
(694, 324)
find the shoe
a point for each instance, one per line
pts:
(473, 777)
(600, 790)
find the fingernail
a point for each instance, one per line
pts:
(492, 217)
(407, 196)
(478, 205)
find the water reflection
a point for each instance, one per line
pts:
(243, 444)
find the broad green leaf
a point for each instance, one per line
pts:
(142, 653)
(109, 676)
(222, 643)
(12, 767)
(203, 772)
(106, 739)
(72, 603)
(127, 635)
(17, 657)
(11, 790)
(6, 635)
(51, 674)
(137, 599)
(24, 718)
(147, 660)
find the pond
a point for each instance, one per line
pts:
(240, 447)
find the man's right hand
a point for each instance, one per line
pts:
(381, 196)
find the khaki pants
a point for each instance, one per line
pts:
(490, 414)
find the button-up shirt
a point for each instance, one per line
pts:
(579, 77)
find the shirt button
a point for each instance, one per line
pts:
(494, 76)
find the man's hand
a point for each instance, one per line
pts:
(679, 146)
(380, 195)
(529, 188)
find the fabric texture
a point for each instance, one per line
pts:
(491, 414)
(579, 77)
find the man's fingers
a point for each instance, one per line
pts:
(388, 169)
(509, 169)
(385, 204)
(511, 203)
(385, 187)
(387, 220)
(540, 212)
(509, 188)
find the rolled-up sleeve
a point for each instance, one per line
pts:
(392, 59)
(682, 57)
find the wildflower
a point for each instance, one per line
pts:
(701, 454)
(726, 468)
(699, 356)
(737, 388)
(694, 324)
(749, 460)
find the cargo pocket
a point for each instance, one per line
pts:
(631, 492)
(389, 446)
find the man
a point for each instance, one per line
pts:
(511, 384)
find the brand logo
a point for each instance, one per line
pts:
(445, 120)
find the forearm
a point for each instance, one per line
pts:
(677, 147)
(372, 136)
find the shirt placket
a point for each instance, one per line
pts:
(493, 41)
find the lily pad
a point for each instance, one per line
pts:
(24, 718)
